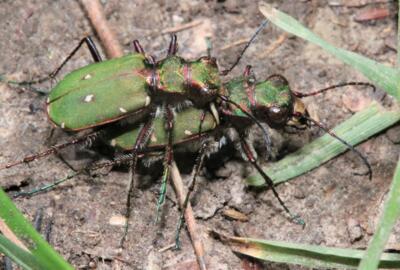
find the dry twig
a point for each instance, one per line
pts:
(181, 27)
(274, 45)
(96, 15)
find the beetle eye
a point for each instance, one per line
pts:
(277, 115)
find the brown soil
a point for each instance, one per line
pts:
(340, 209)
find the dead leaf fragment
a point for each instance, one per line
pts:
(235, 215)
(372, 14)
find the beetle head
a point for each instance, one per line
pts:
(272, 101)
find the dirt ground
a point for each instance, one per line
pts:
(340, 209)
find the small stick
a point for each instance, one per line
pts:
(113, 49)
(189, 217)
(236, 43)
(96, 15)
(274, 45)
(181, 27)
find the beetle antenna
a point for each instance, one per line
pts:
(349, 146)
(301, 95)
(261, 27)
(265, 133)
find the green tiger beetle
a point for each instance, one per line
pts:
(188, 95)
(270, 101)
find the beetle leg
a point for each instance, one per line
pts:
(87, 139)
(37, 223)
(247, 151)
(169, 125)
(141, 141)
(173, 46)
(198, 165)
(137, 47)
(93, 51)
(265, 132)
(195, 173)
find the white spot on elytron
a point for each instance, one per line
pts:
(122, 110)
(188, 132)
(148, 100)
(87, 77)
(62, 125)
(89, 98)
(48, 100)
(113, 142)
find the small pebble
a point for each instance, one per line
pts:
(354, 230)
(393, 134)
(299, 193)
(117, 220)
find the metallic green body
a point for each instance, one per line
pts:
(186, 128)
(268, 93)
(197, 81)
(107, 91)
(99, 93)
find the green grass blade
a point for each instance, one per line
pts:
(306, 255)
(391, 213)
(44, 254)
(358, 128)
(385, 77)
(23, 258)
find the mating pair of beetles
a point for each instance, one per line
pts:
(141, 106)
